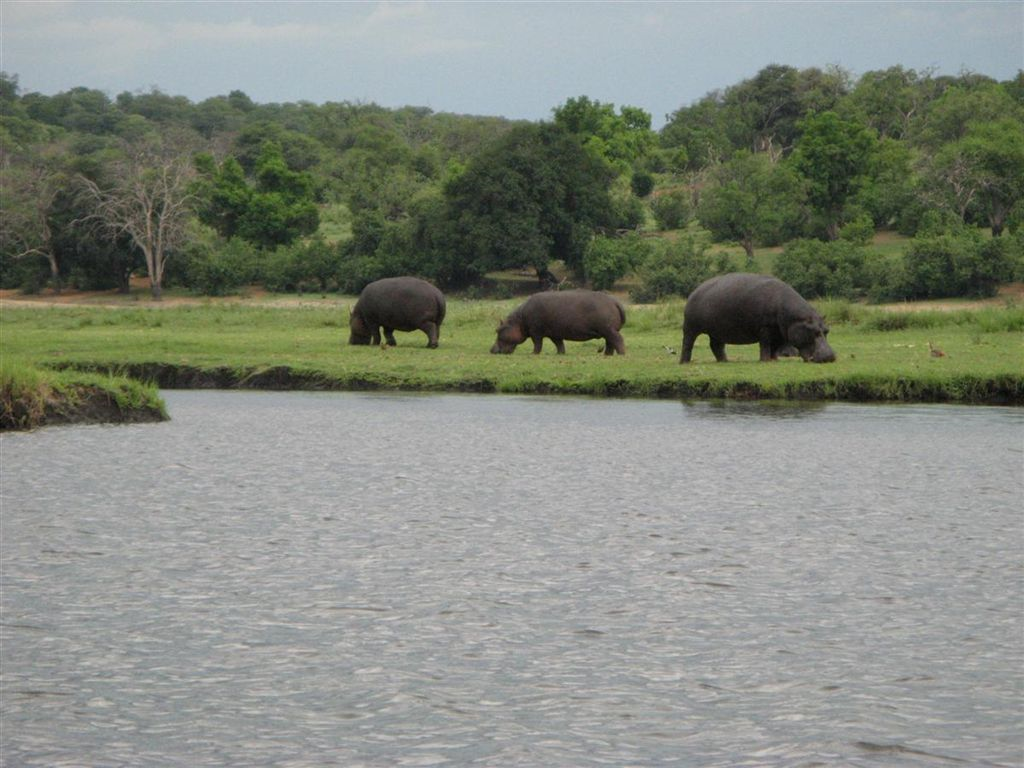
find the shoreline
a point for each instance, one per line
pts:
(74, 364)
(34, 399)
(80, 404)
(963, 390)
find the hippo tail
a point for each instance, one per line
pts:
(441, 308)
(622, 312)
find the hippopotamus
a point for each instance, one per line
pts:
(559, 315)
(397, 304)
(741, 308)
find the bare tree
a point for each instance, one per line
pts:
(27, 193)
(149, 199)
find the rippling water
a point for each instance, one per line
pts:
(347, 579)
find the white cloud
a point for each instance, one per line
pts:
(247, 31)
(388, 13)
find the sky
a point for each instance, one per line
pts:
(518, 60)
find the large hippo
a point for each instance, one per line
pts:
(396, 304)
(561, 315)
(754, 309)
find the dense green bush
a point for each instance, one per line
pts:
(642, 183)
(220, 269)
(314, 266)
(609, 258)
(816, 269)
(673, 209)
(675, 268)
(959, 263)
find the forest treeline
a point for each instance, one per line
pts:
(227, 192)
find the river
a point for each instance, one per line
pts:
(303, 579)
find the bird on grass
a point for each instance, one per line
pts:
(935, 351)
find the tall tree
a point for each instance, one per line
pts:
(275, 210)
(150, 199)
(28, 191)
(888, 100)
(751, 200)
(620, 139)
(833, 155)
(996, 152)
(533, 196)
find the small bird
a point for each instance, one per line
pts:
(935, 351)
(670, 351)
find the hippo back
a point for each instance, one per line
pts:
(576, 315)
(402, 303)
(735, 306)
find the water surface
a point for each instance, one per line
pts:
(348, 579)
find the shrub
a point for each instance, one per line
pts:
(959, 263)
(672, 210)
(642, 183)
(816, 269)
(303, 266)
(609, 258)
(628, 211)
(675, 268)
(217, 271)
(860, 231)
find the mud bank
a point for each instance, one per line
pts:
(964, 389)
(73, 404)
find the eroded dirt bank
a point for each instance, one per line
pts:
(74, 405)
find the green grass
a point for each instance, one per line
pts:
(881, 355)
(31, 396)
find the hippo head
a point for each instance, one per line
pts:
(510, 336)
(358, 332)
(809, 336)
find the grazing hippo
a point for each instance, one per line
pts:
(397, 304)
(754, 309)
(560, 315)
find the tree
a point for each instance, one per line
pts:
(282, 209)
(833, 155)
(995, 151)
(699, 131)
(150, 199)
(892, 195)
(949, 117)
(28, 191)
(275, 210)
(752, 200)
(675, 267)
(609, 258)
(888, 100)
(618, 139)
(533, 196)
(765, 109)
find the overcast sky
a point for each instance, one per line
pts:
(518, 60)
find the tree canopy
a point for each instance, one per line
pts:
(337, 194)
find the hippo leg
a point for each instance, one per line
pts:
(613, 343)
(431, 330)
(389, 336)
(718, 350)
(559, 345)
(538, 342)
(769, 343)
(687, 354)
(375, 336)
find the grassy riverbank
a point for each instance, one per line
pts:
(31, 397)
(883, 355)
